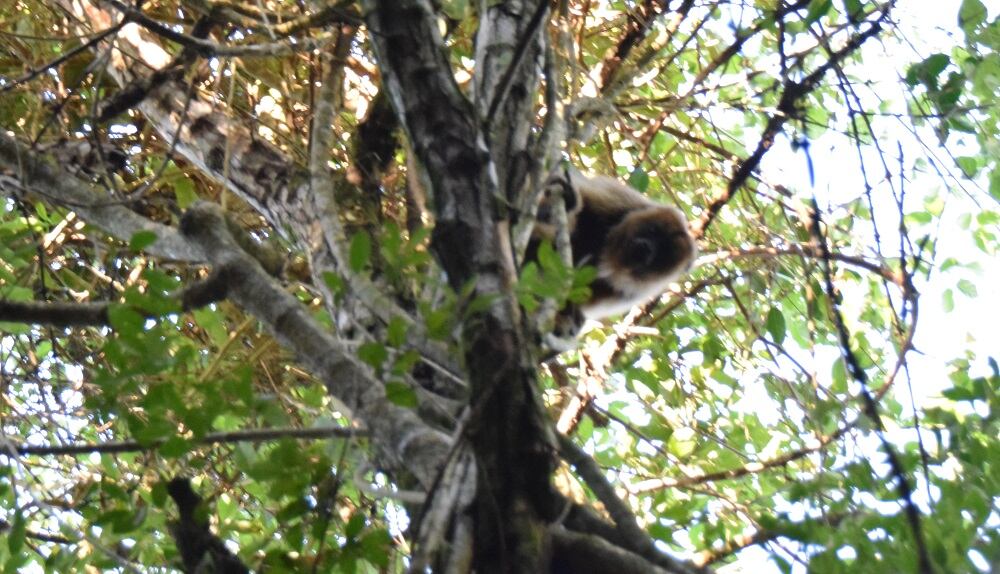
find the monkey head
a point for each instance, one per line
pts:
(646, 251)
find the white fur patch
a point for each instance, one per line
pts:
(631, 291)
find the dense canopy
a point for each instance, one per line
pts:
(264, 304)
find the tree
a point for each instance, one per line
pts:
(267, 308)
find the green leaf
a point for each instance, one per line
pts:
(401, 394)
(184, 192)
(175, 447)
(548, 258)
(375, 354)
(125, 319)
(149, 432)
(948, 301)
(661, 142)
(405, 362)
(17, 533)
(141, 240)
(776, 325)
(969, 166)
(971, 14)
(439, 322)
(456, 9)
(396, 332)
(639, 179)
(817, 9)
(839, 376)
(376, 547)
(853, 8)
(712, 349)
(968, 288)
(361, 251)
(293, 510)
(927, 71)
(213, 325)
(354, 525)
(333, 282)
(160, 282)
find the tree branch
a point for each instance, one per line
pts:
(631, 536)
(788, 108)
(804, 250)
(91, 314)
(590, 554)
(870, 406)
(201, 551)
(23, 170)
(403, 438)
(207, 48)
(254, 435)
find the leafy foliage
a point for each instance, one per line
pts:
(725, 413)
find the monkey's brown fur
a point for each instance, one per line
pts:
(637, 245)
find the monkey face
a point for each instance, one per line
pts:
(652, 243)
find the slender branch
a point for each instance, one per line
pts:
(804, 250)
(342, 13)
(40, 536)
(788, 108)
(586, 553)
(34, 73)
(254, 435)
(871, 410)
(759, 536)
(640, 22)
(207, 48)
(92, 314)
(733, 473)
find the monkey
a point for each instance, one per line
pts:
(637, 245)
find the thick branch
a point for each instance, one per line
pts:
(590, 554)
(630, 536)
(405, 440)
(24, 170)
(511, 438)
(200, 550)
(620, 513)
(443, 131)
